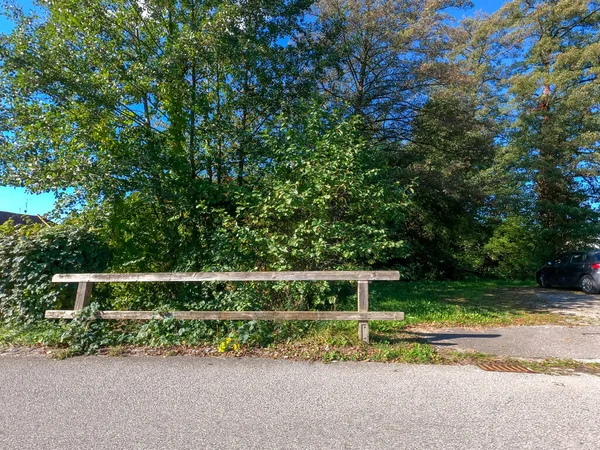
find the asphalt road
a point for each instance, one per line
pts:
(195, 403)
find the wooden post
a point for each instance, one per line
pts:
(363, 306)
(84, 293)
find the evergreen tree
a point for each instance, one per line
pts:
(555, 99)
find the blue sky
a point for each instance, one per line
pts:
(19, 201)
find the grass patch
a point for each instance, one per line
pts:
(43, 333)
(459, 304)
(325, 344)
(115, 351)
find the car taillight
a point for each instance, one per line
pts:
(596, 266)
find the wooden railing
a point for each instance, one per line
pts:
(87, 280)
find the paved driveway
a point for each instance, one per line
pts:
(196, 403)
(567, 302)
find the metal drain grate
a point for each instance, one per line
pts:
(498, 367)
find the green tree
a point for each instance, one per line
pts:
(555, 99)
(448, 163)
(162, 101)
(387, 57)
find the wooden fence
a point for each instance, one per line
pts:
(363, 315)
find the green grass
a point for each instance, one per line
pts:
(458, 303)
(481, 303)
(44, 333)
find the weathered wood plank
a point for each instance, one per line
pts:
(83, 296)
(238, 315)
(363, 307)
(389, 275)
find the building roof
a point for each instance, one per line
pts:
(18, 218)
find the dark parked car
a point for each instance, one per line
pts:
(573, 269)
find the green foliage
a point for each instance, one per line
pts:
(385, 57)
(188, 134)
(554, 98)
(514, 249)
(154, 98)
(29, 257)
(31, 334)
(324, 200)
(448, 166)
(321, 200)
(466, 303)
(165, 330)
(85, 334)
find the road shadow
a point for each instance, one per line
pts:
(438, 339)
(441, 339)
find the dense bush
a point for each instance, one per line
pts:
(514, 249)
(322, 201)
(30, 255)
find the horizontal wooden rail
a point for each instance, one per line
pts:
(236, 315)
(387, 275)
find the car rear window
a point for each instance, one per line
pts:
(578, 258)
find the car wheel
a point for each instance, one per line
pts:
(588, 285)
(543, 281)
